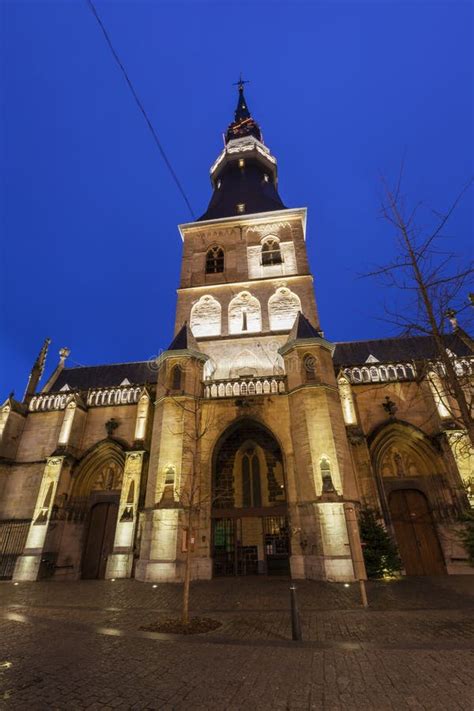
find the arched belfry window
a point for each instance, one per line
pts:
(271, 253)
(215, 260)
(251, 488)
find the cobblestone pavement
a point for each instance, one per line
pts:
(78, 645)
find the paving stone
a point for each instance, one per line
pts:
(413, 649)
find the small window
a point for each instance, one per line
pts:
(176, 378)
(271, 253)
(326, 477)
(241, 163)
(265, 177)
(219, 183)
(309, 368)
(240, 207)
(215, 260)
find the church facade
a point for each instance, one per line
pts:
(248, 446)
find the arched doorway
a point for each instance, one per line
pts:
(99, 540)
(411, 484)
(91, 510)
(250, 531)
(415, 532)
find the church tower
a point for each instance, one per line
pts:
(248, 419)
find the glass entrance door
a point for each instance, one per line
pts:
(277, 545)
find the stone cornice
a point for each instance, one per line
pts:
(247, 220)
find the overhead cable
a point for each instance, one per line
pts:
(141, 107)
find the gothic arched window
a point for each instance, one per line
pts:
(271, 253)
(215, 260)
(251, 489)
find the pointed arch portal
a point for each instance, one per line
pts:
(94, 505)
(409, 471)
(415, 532)
(250, 532)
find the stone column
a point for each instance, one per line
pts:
(28, 564)
(120, 561)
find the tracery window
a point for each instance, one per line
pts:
(271, 253)
(245, 314)
(215, 260)
(251, 488)
(283, 307)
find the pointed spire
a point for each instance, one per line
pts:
(184, 340)
(37, 370)
(303, 329)
(241, 112)
(243, 124)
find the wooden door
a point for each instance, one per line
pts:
(416, 535)
(99, 539)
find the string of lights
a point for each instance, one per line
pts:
(141, 107)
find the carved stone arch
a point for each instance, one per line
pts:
(100, 469)
(245, 363)
(209, 369)
(279, 365)
(229, 443)
(205, 317)
(400, 450)
(245, 314)
(283, 307)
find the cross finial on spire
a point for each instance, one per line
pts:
(241, 82)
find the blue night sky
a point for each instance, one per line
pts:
(90, 246)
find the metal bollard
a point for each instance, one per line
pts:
(295, 616)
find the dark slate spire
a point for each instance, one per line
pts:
(243, 124)
(241, 112)
(244, 177)
(303, 329)
(184, 340)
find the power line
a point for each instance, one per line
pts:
(141, 107)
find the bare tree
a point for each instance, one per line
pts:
(436, 283)
(194, 495)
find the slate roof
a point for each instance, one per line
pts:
(243, 186)
(183, 340)
(106, 376)
(386, 350)
(302, 328)
(390, 350)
